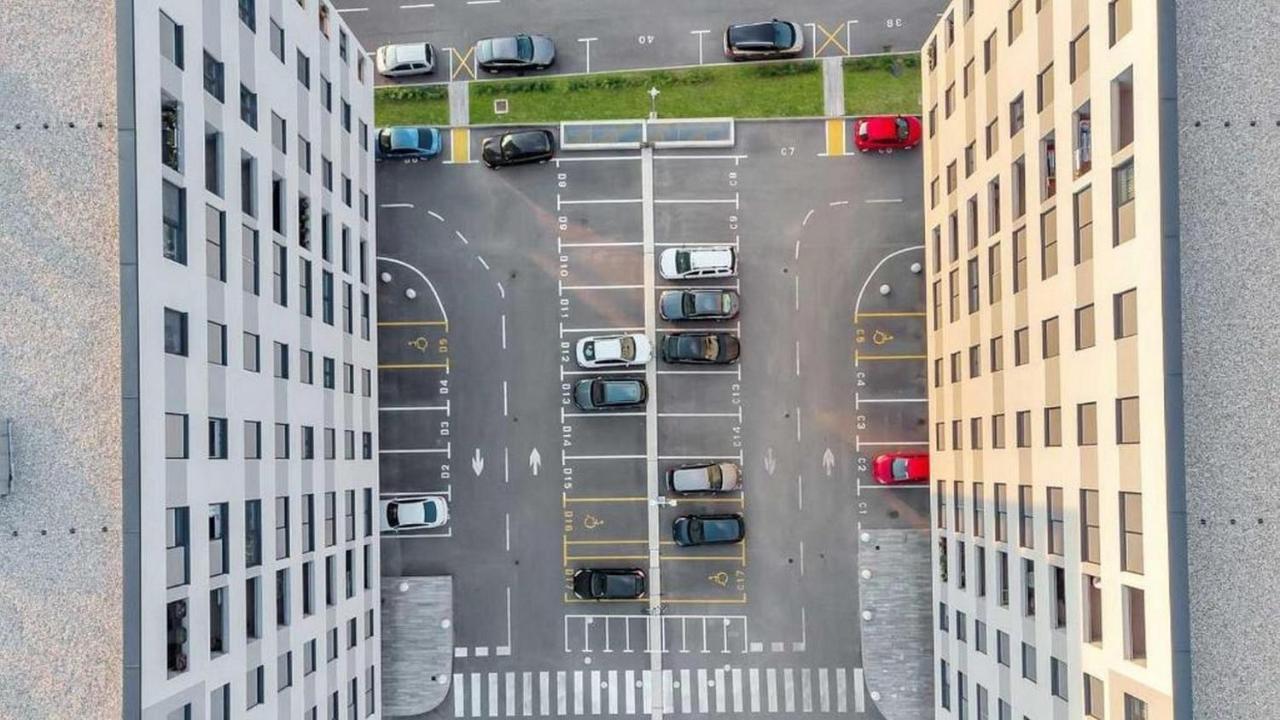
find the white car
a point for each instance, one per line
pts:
(414, 513)
(405, 59)
(600, 351)
(689, 263)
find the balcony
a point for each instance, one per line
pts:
(1083, 136)
(176, 635)
(171, 134)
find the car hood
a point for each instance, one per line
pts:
(730, 347)
(731, 476)
(491, 148)
(667, 262)
(670, 305)
(544, 51)
(490, 48)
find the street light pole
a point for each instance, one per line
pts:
(653, 102)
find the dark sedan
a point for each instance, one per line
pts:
(408, 143)
(610, 393)
(515, 52)
(609, 584)
(698, 305)
(689, 530)
(518, 148)
(714, 348)
(759, 41)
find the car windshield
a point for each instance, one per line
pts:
(393, 515)
(524, 48)
(621, 392)
(695, 530)
(708, 303)
(904, 130)
(628, 348)
(783, 35)
(715, 478)
(683, 261)
(429, 511)
(599, 581)
(900, 468)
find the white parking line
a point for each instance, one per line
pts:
(637, 328)
(396, 205)
(858, 400)
(353, 10)
(502, 291)
(417, 6)
(435, 215)
(697, 244)
(734, 201)
(735, 286)
(482, 262)
(838, 203)
(631, 371)
(700, 157)
(736, 327)
(460, 237)
(597, 158)
(508, 523)
(602, 287)
(504, 398)
(731, 456)
(405, 535)
(504, 327)
(483, 2)
(699, 415)
(603, 457)
(603, 414)
(903, 486)
(416, 408)
(599, 201)
(700, 34)
(890, 443)
(597, 244)
(884, 200)
(797, 358)
(417, 451)
(697, 372)
(797, 424)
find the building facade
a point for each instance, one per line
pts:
(248, 245)
(1047, 361)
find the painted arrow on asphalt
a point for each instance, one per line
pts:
(770, 462)
(828, 461)
(477, 463)
(535, 461)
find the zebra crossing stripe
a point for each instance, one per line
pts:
(789, 689)
(493, 694)
(771, 688)
(577, 692)
(842, 703)
(629, 680)
(562, 692)
(686, 692)
(459, 697)
(668, 692)
(806, 687)
(859, 688)
(737, 689)
(544, 689)
(753, 681)
(702, 690)
(824, 692)
(595, 692)
(526, 681)
(646, 698)
(719, 689)
(475, 694)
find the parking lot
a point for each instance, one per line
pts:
(507, 270)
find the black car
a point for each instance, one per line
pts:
(698, 305)
(610, 393)
(515, 52)
(715, 348)
(758, 41)
(517, 148)
(609, 584)
(688, 530)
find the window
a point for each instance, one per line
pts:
(975, 361)
(1083, 139)
(1049, 334)
(255, 682)
(177, 532)
(284, 671)
(280, 274)
(944, 684)
(1122, 111)
(283, 594)
(326, 178)
(1127, 421)
(1017, 115)
(346, 117)
(368, 692)
(1018, 175)
(1029, 662)
(368, 510)
(1049, 244)
(1028, 587)
(1134, 709)
(277, 205)
(220, 703)
(1053, 505)
(1095, 698)
(282, 441)
(174, 213)
(997, 431)
(993, 206)
(305, 363)
(308, 442)
(346, 200)
(968, 78)
(941, 496)
(326, 297)
(953, 293)
(993, 274)
(277, 40)
(1131, 532)
(1015, 20)
(252, 440)
(252, 359)
(1026, 518)
(980, 566)
(1090, 534)
(1044, 88)
(218, 555)
(279, 133)
(1021, 346)
(175, 332)
(350, 573)
(214, 77)
(1002, 578)
(364, 316)
(249, 107)
(1083, 205)
(348, 319)
(989, 52)
(949, 103)
(1120, 20)
(1002, 647)
(308, 657)
(971, 275)
(249, 186)
(937, 372)
(330, 580)
(281, 360)
(983, 702)
(939, 439)
(979, 638)
(218, 438)
(249, 259)
(308, 522)
(367, 564)
(330, 500)
(176, 631)
(955, 427)
(1053, 427)
(249, 13)
(327, 365)
(937, 304)
(1080, 55)
(1125, 309)
(329, 444)
(996, 361)
(175, 436)
(1058, 678)
(962, 696)
(1124, 218)
(992, 137)
(326, 93)
(1019, 260)
(957, 496)
(1084, 327)
(282, 527)
(1133, 602)
(1087, 424)
(215, 237)
(1003, 710)
(171, 40)
(252, 533)
(1049, 171)
(253, 607)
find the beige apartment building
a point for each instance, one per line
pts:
(1047, 366)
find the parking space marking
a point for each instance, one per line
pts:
(737, 414)
(417, 366)
(603, 415)
(891, 443)
(857, 304)
(389, 206)
(859, 357)
(835, 138)
(600, 287)
(425, 279)
(735, 286)
(435, 215)
(461, 66)
(564, 330)
(414, 323)
(417, 6)
(735, 201)
(560, 244)
(595, 158)
(699, 372)
(446, 450)
(416, 408)
(459, 146)
(913, 314)
(734, 158)
(858, 400)
(597, 201)
(883, 201)
(602, 457)
(619, 498)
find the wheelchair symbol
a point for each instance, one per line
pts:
(591, 522)
(881, 337)
(720, 578)
(420, 344)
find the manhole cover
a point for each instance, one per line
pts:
(500, 106)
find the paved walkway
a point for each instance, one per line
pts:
(897, 642)
(833, 86)
(417, 643)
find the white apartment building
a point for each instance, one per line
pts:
(248, 244)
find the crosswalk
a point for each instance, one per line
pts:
(680, 633)
(563, 693)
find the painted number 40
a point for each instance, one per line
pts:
(645, 39)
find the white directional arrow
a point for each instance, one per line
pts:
(770, 462)
(828, 461)
(535, 461)
(477, 463)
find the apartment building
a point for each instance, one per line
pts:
(253, 583)
(1045, 227)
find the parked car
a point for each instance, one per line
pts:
(517, 148)
(715, 348)
(614, 350)
(610, 393)
(900, 467)
(407, 143)
(405, 59)
(698, 304)
(515, 52)
(886, 133)
(689, 530)
(609, 584)
(759, 41)
(414, 513)
(707, 477)
(691, 263)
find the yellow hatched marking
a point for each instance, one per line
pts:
(460, 145)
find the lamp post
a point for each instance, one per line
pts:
(653, 102)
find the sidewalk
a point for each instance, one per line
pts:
(897, 642)
(417, 644)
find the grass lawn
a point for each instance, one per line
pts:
(885, 84)
(411, 106)
(741, 91)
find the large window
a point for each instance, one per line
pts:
(174, 201)
(218, 550)
(1085, 325)
(214, 77)
(215, 243)
(1049, 337)
(218, 438)
(1057, 534)
(249, 107)
(1124, 218)
(175, 436)
(1125, 309)
(252, 358)
(1053, 427)
(1131, 532)
(1083, 206)
(1134, 605)
(280, 274)
(1002, 511)
(282, 527)
(1090, 532)
(177, 546)
(252, 440)
(1127, 421)
(1049, 244)
(1026, 517)
(175, 332)
(252, 533)
(171, 40)
(1019, 260)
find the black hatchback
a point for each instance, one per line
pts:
(688, 530)
(517, 148)
(609, 584)
(711, 348)
(610, 393)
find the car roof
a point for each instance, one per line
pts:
(710, 255)
(403, 137)
(752, 33)
(407, 52)
(882, 127)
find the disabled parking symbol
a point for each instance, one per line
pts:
(721, 578)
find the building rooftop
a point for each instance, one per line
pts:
(60, 526)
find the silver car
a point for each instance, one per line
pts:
(405, 59)
(515, 52)
(708, 477)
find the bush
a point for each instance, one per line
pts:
(410, 94)
(513, 87)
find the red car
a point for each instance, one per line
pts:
(886, 133)
(901, 467)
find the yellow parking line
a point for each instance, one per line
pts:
(859, 316)
(858, 357)
(415, 366)
(626, 498)
(835, 138)
(460, 145)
